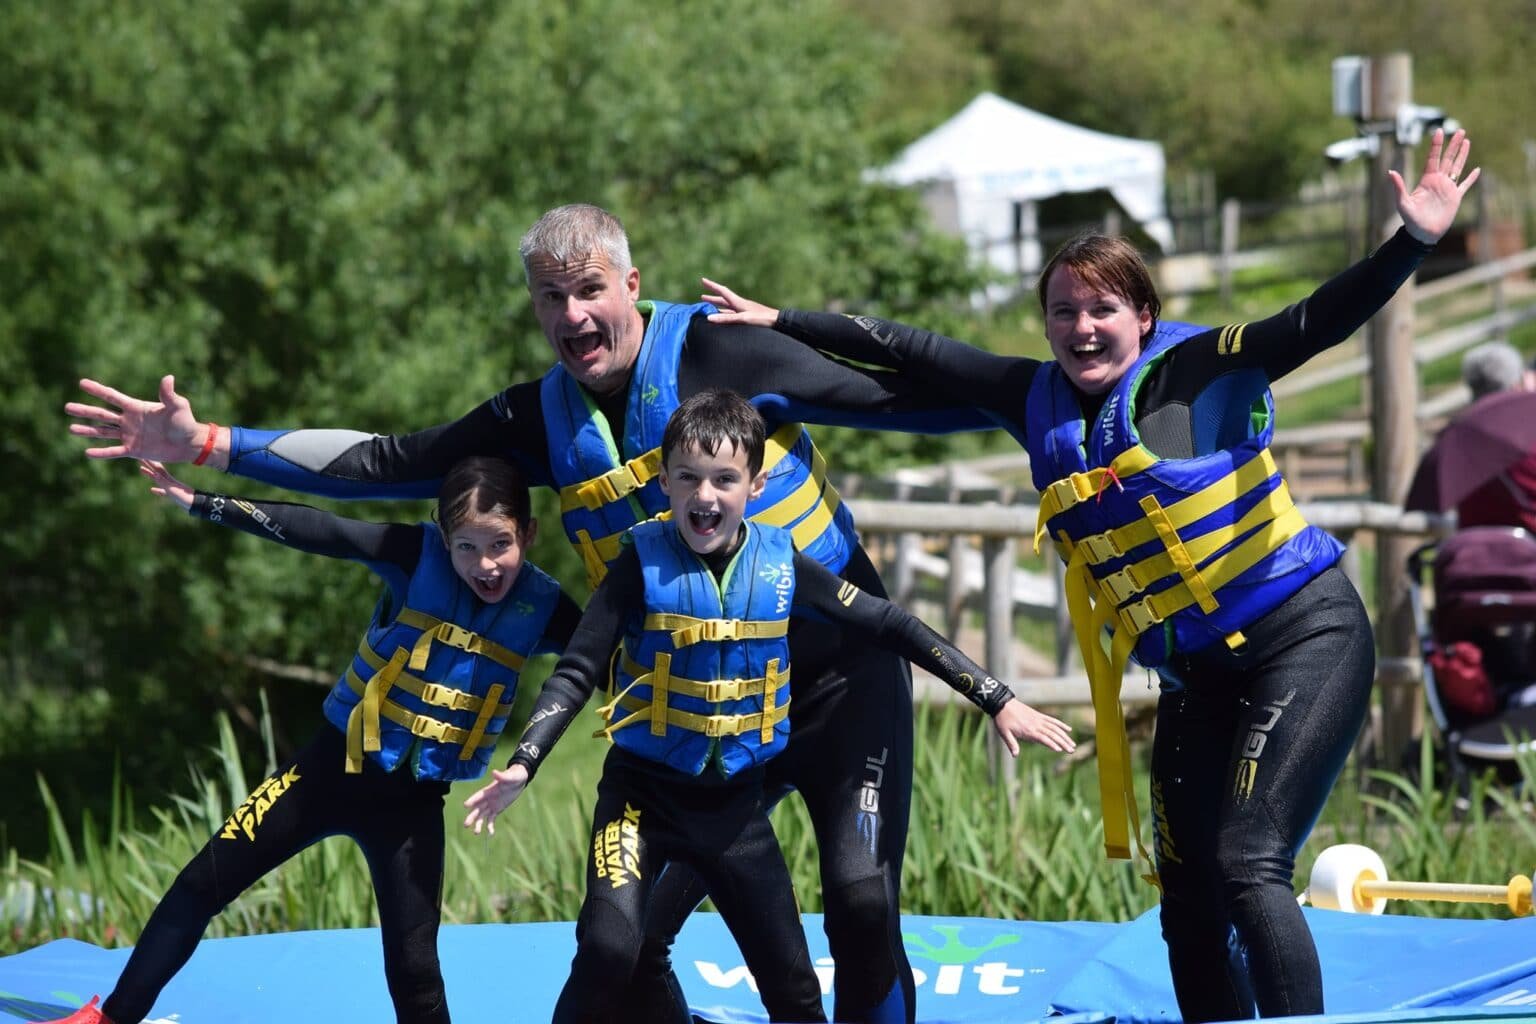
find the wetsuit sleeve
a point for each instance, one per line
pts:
(1279, 344)
(585, 662)
(561, 625)
(788, 381)
(352, 464)
(820, 594)
(391, 550)
(959, 372)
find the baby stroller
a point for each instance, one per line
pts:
(1474, 608)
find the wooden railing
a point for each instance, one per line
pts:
(983, 541)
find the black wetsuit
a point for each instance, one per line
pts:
(394, 818)
(851, 703)
(1293, 699)
(718, 826)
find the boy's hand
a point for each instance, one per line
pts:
(166, 486)
(494, 797)
(1018, 720)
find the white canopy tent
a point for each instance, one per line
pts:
(983, 170)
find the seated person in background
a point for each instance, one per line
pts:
(1508, 499)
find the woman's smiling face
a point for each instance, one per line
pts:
(1095, 334)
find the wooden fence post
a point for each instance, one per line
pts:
(1231, 219)
(999, 556)
(1394, 389)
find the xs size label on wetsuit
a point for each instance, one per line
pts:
(616, 848)
(248, 816)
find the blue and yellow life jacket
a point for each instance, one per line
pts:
(438, 675)
(1163, 555)
(604, 492)
(705, 676)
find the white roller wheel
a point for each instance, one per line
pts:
(1334, 875)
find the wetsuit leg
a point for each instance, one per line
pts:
(750, 886)
(629, 846)
(401, 836)
(290, 810)
(1304, 684)
(1191, 756)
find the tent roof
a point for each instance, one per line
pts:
(1000, 147)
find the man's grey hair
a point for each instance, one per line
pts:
(1490, 368)
(576, 232)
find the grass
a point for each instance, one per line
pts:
(1027, 849)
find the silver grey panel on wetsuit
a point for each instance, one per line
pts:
(316, 449)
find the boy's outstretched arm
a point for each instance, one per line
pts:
(567, 690)
(823, 595)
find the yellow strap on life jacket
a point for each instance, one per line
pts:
(771, 681)
(660, 714)
(815, 495)
(434, 629)
(712, 690)
(483, 719)
(687, 630)
(613, 485)
(1101, 547)
(363, 721)
(435, 694)
(713, 726)
(1093, 603)
(1125, 583)
(1142, 615)
(1079, 487)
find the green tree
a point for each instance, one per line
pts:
(310, 212)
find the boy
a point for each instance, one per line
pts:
(701, 603)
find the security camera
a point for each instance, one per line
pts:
(1345, 150)
(1413, 120)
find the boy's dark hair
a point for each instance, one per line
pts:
(482, 485)
(711, 418)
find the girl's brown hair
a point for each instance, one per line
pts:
(482, 485)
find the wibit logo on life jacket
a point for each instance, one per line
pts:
(955, 967)
(248, 816)
(781, 578)
(616, 848)
(650, 394)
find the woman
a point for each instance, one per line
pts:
(1150, 450)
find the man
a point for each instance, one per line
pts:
(589, 429)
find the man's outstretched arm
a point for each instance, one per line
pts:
(331, 462)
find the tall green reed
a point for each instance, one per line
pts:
(1026, 849)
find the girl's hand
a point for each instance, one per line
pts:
(493, 798)
(1430, 208)
(736, 310)
(166, 486)
(1018, 721)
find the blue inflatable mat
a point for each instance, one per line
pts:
(967, 970)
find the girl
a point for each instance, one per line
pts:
(420, 706)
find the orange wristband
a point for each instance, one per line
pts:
(213, 433)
